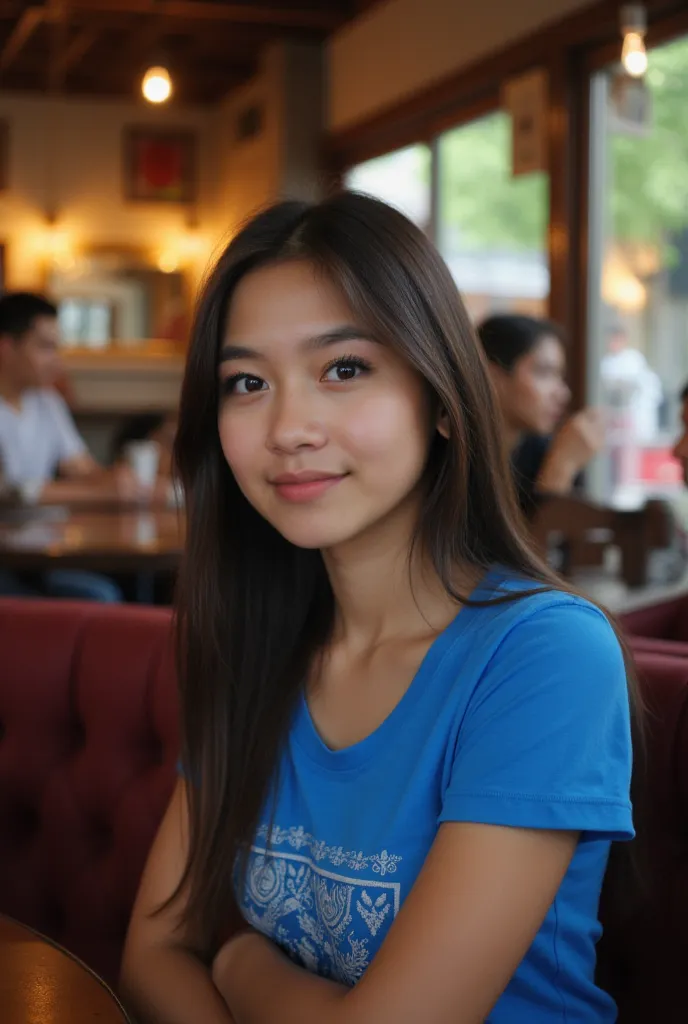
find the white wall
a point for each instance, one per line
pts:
(66, 156)
(402, 46)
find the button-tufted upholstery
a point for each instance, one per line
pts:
(643, 955)
(88, 747)
(666, 620)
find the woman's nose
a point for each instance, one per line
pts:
(295, 422)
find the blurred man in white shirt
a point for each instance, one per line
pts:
(38, 438)
(41, 451)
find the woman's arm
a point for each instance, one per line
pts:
(468, 922)
(162, 981)
(578, 441)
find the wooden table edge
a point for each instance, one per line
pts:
(126, 1019)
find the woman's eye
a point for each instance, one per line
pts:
(343, 370)
(243, 384)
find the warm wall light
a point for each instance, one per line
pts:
(55, 245)
(184, 251)
(157, 85)
(168, 261)
(633, 29)
(621, 287)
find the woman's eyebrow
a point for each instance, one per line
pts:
(347, 332)
(232, 352)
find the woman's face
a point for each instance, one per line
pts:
(325, 430)
(534, 393)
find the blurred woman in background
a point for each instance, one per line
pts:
(527, 361)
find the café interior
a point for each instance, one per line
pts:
(543, 147)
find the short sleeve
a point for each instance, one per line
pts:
(546, 742)
(68, 442)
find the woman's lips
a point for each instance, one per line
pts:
(304, 489)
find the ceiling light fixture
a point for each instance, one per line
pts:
(633, 28)
(157, 85)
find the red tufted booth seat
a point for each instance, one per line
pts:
(88, 748)
(643, 954)
(666, 620)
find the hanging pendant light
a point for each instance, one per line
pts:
(157, 85)
(633, 29)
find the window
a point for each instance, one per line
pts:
(490, 227)
(638, 311)
(401, 179)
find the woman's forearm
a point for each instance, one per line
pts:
(170, 986)
(291, 995)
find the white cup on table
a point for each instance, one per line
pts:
(30, 491)
(143, 459)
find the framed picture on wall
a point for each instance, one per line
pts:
(160, 165)
(4, 154)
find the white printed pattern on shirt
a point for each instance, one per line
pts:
(321, 918)
(381, 863)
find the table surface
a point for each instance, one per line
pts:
(40, 983)
(135, 540)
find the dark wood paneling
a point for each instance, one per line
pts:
(100, 47)
(444, 104)
(567, 125)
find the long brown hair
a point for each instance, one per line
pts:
(253, 610)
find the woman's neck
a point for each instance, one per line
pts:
(381, 592)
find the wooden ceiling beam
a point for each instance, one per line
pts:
(75, 51)
(20, 35)
(229, 13)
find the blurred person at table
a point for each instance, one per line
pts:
(39, 441)
(681, 448)
(42, 454)
(632, 395)
(630, 384)
(527, 361)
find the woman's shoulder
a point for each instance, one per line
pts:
(521, 606)
(545, 648)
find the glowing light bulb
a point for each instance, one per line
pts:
(157, 85)
(634, 54)
(168, 261)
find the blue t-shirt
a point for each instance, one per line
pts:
(518, 716)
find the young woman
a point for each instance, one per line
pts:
(528, 367)
(406, 750)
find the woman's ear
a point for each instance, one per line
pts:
(443, 426)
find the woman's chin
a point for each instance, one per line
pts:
(311, 534)
(315, 540)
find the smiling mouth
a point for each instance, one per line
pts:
(307, 488)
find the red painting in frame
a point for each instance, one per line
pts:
(160, 165)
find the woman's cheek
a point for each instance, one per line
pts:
(377, 428)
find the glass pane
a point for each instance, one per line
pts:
(401, 179)
(492, 227)
(638, 358)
